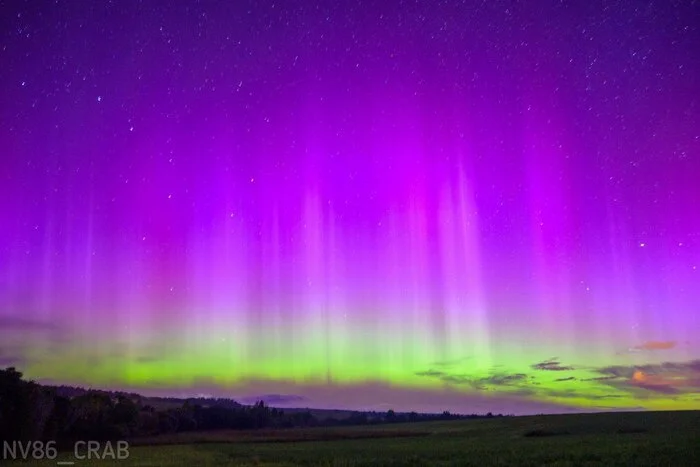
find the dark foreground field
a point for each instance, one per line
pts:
(609, 439)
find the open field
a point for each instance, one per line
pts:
(608, 439)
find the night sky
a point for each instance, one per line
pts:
(421, 205)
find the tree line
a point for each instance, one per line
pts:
(30, 411)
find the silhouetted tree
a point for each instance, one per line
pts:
(167, 422)
(92, 415)
(125, 416)
(29, 411)
(261, 415)
(25, 407)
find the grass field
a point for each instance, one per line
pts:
(608, 439)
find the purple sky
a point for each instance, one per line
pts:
(481, 204)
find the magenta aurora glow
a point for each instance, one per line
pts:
(471, 206)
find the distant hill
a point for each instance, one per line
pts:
(166, 403)
(159, 403)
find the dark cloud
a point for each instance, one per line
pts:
(662, 378)
(497, 379)
(504, 379)
(457, 379)
(601, 378)
(573, 393)
(551, 365)
(660, 388)
(613, 372)
(680, 368)
(636, 381)
(446, 377)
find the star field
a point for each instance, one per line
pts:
(450, 205)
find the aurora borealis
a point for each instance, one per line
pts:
(471, 206)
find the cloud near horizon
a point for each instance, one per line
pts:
(571, 384)
(496, 379)
(552, 364)
(656, 345)
(650, 382)
(664, 378)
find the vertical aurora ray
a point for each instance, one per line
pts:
(489, 207)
